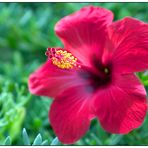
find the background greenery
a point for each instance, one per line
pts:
(26, 30)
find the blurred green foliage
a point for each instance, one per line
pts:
(26, 30)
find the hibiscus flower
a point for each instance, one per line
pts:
(93, 76)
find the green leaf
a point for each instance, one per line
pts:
(115, 139)
(25, 137)
(97, 139)
(38, 140)
(7, 141)
(55, 141)
(45, 142)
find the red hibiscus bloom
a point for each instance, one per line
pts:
(93, 76)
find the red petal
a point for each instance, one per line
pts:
(122, 107)
(84, 32)
(49, 80)
(70, 116)
(128, 45)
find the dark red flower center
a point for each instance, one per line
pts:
(98, 76)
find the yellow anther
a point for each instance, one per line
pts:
(64, 60)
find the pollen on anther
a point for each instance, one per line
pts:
(62, 58)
